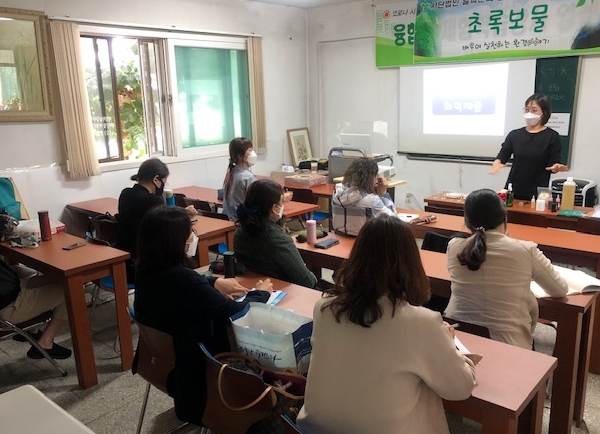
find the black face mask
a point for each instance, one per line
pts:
(159, 191)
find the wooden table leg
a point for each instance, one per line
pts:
(493, 423)
(80, 332)
(530, 420)
(123, 317)
(595, 353)
(230, 241)
(585, 354)
(567, 350)
(203, 253)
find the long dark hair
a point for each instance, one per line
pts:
(484, 210)
(255, 212)
(237, 149)
(162, 235)
(361, 174)
(384, 261)
(544, 102)
(149, 169)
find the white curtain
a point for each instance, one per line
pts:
(257, 94)
(73, 107)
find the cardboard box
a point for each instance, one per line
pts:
(305, 180)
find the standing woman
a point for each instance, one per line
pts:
(380, 362)
(491, 274)
(135, 201)
(177, 300)
(261, 244)
(535, 149)
(238, 176)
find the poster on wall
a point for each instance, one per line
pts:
(394, 33)
(471, 30)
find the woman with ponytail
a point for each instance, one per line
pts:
(238, 176)
(491, 274)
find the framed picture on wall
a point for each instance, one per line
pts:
(299, 145)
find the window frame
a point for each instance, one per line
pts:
(173, 150)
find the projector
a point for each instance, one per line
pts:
(387, 171)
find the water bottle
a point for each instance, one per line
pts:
(510, 196)
(311, 232)
(45, 231)
(229, 264)
(568, 194)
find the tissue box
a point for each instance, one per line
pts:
(33, 226)
(305, 180)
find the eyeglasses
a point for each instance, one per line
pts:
(534, 110)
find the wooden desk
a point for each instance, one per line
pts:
(210, 231)
(574, 314)
(73, 268)
(290, 209)
(27, 410)
(521, 212)
(96, 207)
(511, 381)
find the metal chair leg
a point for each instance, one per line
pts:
(143, 412)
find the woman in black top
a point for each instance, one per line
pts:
(135, 201)
(177, 300)
(535, 149)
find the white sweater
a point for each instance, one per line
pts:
(386, 379)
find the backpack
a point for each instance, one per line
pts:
(8, 202)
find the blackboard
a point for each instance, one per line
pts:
(557, 77)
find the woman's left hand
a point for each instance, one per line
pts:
(382, 185)
(230, 287)
(557, 167)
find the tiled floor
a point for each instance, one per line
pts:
(113, 405)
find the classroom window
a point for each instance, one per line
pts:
(153, 96)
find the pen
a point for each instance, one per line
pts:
(193, 220)
(455, 325)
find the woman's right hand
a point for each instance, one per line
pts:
(265, 285)
(496, 166)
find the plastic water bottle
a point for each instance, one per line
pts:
(568, 194)
(510, 196)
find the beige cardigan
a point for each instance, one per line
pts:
(497, 295)
(386, 379)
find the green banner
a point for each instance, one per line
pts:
(394, 34)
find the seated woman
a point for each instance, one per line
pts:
(361, 198)
(380, 362)
(238, 177)
(135, 201)
(261, 244)
(177, 300)
(491, 274)
(22, 299)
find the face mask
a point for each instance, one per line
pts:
(159, 191)
(192, 247)
(531, 119)
(252, 158)
(280, 212)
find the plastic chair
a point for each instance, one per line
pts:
(235, 399)
(221, 247)
(179, 199)
(306, 195)
(435, 242)
(8, 329)
(103, 230)
(156, 359)
(200, 205)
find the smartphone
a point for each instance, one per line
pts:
(325, 244)
(74, 245)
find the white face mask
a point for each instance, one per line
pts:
(252, 158)
(531, 119)
(280, 212)
(192, 246)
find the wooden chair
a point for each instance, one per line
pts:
(235, 399)
(8, 329)
(156, 359)
(468, 327)
(200, 205)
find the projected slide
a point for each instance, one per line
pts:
(468, 100)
